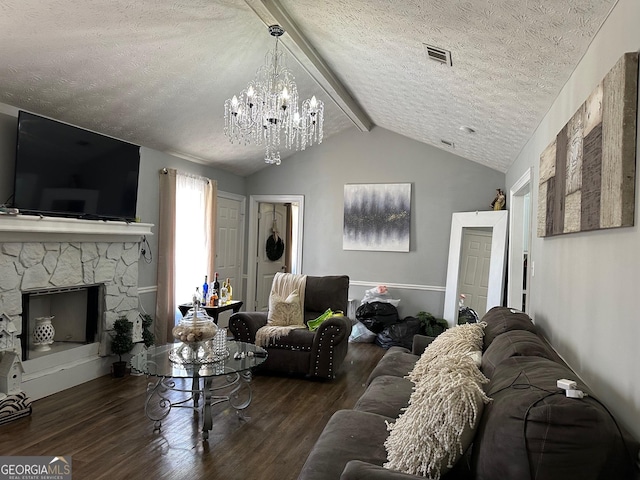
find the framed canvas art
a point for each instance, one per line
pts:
(377, 217)
(587, 174)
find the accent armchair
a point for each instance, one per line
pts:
(316, 354)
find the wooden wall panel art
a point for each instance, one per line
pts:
(587, 174)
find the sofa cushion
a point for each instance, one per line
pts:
(396, 362)
(502, 319)
(439, 424)
(386, 395)
(349, 435)
(516, 343)
(540, 433)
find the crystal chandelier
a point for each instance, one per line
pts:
(267, 111)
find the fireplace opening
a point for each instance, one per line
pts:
(59, 319)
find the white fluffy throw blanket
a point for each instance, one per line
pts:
(286, 308)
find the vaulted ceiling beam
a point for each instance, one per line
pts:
(271, 12)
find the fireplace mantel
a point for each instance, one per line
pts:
(33, 228)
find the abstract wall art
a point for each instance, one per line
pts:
(587, 174)
(377, 217)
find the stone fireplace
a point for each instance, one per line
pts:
(83, 273)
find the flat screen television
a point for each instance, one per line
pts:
(62, 170)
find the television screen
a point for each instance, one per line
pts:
(67, 171)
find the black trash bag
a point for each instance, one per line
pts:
(467, 315)
(399, 334)
(377, 315)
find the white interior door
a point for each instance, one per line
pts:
(266, 268)
(474, 269)
(229, 239)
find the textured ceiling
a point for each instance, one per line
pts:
(156, 72)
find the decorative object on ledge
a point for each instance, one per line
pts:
(587, 174)
(377, 217)
(14, 403)
(7, 333)
(43, 334)
(268, 109)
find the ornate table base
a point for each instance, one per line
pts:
(238, 393)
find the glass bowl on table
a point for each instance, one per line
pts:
(195, 332)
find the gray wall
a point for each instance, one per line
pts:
(442, 183)
(584, 291)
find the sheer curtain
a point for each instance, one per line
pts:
(186, 243)
(191, 236)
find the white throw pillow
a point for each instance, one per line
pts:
(459, 340)
(285, 312)
(439, 424)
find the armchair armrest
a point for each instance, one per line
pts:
(330, 344)
(358, 470)
(420, 343)
(244, 325)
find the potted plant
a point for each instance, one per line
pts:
(121, 344)
(147, 335)
(432, 326)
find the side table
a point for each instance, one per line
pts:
(213, 312)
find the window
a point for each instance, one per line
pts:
(191, 253)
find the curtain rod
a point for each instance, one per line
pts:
(165, 171)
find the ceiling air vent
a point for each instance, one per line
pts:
(438, 54)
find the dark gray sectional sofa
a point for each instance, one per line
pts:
(530, 430)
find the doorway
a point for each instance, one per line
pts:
(286, 212)
(520, 265)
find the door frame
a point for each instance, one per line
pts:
(252, 258)
(516, 240)
(243, 208)
(495, 219)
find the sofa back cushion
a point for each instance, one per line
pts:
(532, 430)
(502, 319)
(330, 291)
(515, 343)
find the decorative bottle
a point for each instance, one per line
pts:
(214, 298)
(229, 290)
(205, 291)
(216, 284)
(223, 294)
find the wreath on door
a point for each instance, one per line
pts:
(275, 245)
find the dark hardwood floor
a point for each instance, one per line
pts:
(102, 425)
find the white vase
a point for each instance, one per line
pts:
(43, 334)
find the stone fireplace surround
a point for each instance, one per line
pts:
(50, 252)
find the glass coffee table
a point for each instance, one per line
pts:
(214, 381)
